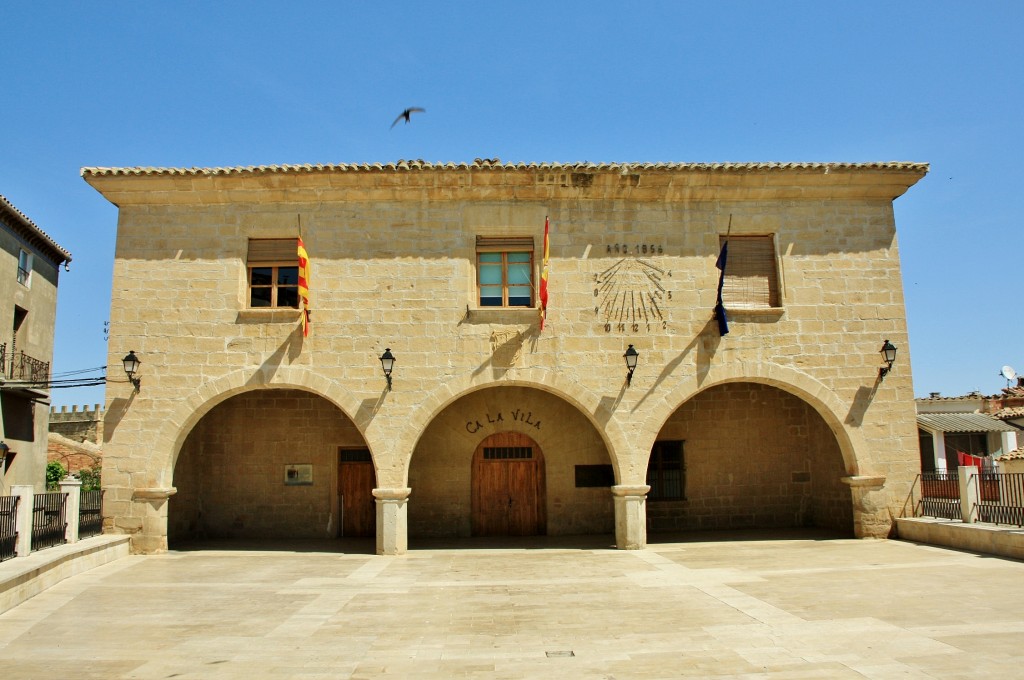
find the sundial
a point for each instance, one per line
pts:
(632, 295)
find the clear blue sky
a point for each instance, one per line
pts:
(224, 84)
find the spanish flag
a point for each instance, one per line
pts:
(304, 287)
(544, 277)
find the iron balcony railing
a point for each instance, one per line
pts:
(90, 514)
(49, 527)
(8, 526)
(20, 366)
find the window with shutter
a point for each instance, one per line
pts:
(273, 273)
(504, 271)
(751, 277)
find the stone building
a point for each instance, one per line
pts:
(75, 438)
(29, 265)
(242, 426)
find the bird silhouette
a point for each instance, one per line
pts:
(407, 113)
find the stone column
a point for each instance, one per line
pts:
(870, 506)
(151, 535)
(630, 516)
(392, 521)
(72, 488)
(27, 494)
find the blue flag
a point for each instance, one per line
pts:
(723, 320)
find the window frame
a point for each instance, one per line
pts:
(506, 247)
(656, 470)
(25, 267)
(268, 253)
(751, 295)
(274, 286)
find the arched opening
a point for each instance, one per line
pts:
(747, 455)
(271, 464)
(509, 496)
(460, 490)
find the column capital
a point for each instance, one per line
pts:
(391, 494)
(630, 490)
(876, 481)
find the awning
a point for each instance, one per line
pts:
(963, 422)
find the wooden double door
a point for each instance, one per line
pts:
(356, 479)
(508, 487)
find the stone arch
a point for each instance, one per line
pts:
(598, 411)
(190, 410)
(823, 400)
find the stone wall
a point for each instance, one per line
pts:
(230, 476)
(755, 457)
(392, 252)
(80, 425)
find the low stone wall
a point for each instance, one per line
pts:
(24, 577)
(989, 539)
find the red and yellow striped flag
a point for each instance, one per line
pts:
(304, 287)
(544, 277)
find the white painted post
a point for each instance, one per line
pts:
(72, 489)
(969, 493)
(27, 494)
(939, 451)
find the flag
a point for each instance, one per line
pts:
(544, 277)
(723, 320)
(304, 287)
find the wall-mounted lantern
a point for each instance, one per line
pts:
(888, 356)
(630, 356)
(131, 367)
(387, 362)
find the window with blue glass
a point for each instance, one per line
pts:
(505, 272)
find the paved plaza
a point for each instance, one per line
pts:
(736, 606)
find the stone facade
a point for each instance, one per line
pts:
(29, 270)
(784, 421)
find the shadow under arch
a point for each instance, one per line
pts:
(592, 407)
(191, 409)
(823, 400)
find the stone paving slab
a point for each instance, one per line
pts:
(739, 606)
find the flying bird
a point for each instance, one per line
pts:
(407, 113)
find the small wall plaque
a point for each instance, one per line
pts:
(298, 475)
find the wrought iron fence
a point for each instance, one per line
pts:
(8, 526)
(20, 366)
(48, 524)
(1001, 497)
(940, 495)
(90, 514)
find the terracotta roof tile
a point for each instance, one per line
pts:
(31, 232)
(495, 164)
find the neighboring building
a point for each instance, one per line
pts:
(972, 424)
(76, 437)
(29, 265)
(240, 426)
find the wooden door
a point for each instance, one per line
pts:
(356, 479)
(508, 487)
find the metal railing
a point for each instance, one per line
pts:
(8, 526)
(90, 514)
(49, 527)
(939, 495)
(1001, 497)
(20, 366)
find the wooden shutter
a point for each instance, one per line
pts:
(273, 250)
(505, 244)
(751, 279)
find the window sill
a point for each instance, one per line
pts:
(509, 315)
(288, 315)
(755, 311)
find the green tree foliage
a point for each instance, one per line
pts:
(90, 478)
(54, 473)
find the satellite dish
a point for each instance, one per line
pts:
(1008, 372)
